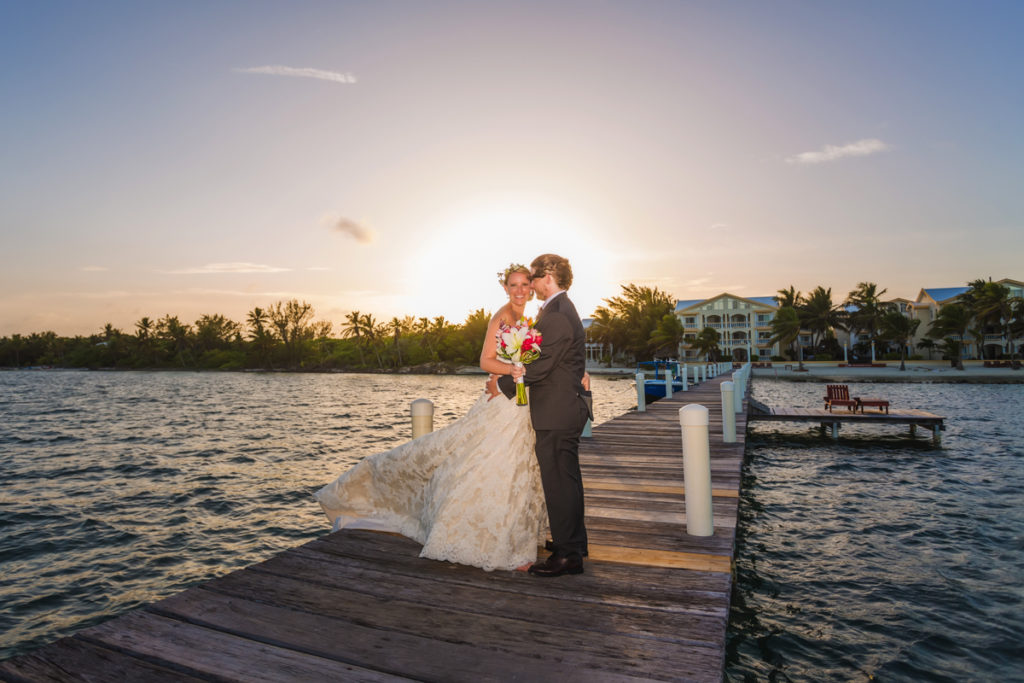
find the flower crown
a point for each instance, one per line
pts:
(512, 268)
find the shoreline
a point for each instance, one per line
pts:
(928, 372)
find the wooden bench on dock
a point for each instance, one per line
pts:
(879, 403)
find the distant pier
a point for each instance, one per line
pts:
(831, 420)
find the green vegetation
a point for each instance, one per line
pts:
(283, 336)
(640, 323)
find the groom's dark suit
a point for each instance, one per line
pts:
(559, 413)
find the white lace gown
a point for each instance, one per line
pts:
(470, 493)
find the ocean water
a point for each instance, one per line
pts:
(874, 557)
(121, 488)
(878, 557)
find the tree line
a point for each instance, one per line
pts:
(638, 324)
(986, 308)
(283, 336)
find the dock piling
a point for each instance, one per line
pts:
(728, 416)
(693, 419)
(422, 410)
(641, 398)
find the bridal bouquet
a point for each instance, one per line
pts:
(519, 344)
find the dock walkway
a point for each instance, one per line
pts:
(358, 605)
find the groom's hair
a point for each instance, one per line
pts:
(556, 265)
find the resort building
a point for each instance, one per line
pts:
(931, 300)
(743, 323)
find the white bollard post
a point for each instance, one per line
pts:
(737, 392)
(703, 373)
(697, 470)
(422, 417)
(641, 398)
(728, 416)
(682, 374)
(696, 372)
(668, 384)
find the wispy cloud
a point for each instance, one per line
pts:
(94, 269)
(320, 74)
(861, 148)
(348, 227)
(227, 268)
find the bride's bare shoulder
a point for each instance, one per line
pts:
(503, 315)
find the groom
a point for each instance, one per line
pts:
(559, 413)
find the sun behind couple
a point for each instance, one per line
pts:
(480, 491)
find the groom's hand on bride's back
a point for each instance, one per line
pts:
(492, 386)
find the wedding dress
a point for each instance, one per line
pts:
(470, 493)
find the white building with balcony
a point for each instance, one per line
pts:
(743, 323)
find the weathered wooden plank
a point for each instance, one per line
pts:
(689, 619)
(453, 646)
(205, 652)
(662, 558)
(72, 658)
(613, 584)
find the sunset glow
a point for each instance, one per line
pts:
(391, 157)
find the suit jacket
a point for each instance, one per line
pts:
(555, 378)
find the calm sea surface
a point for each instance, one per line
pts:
(121, 488)
(878, 557)
(871, 557)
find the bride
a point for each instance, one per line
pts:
(471, 492)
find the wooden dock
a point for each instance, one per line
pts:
(358, 605)
(831, 420)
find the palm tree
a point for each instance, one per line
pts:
(144, 330)
(353, 328)
(820, 315)
(374, 335)
(867, 317)
(706, 342)
(397, 328)
(789, 297)
(928, 344)
(641, 309)
(609, 329)
(899, 329)
(177, 337)
(952, 324)
(786, 327)
(667, 335)
(261, 335)
(993, 306)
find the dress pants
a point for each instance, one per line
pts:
(558, 457)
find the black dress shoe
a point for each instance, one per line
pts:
(557, 565)
(550, 547)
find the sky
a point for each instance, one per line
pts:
(191, 158)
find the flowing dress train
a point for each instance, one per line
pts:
(470, 493)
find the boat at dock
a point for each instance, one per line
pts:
(654, 385)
